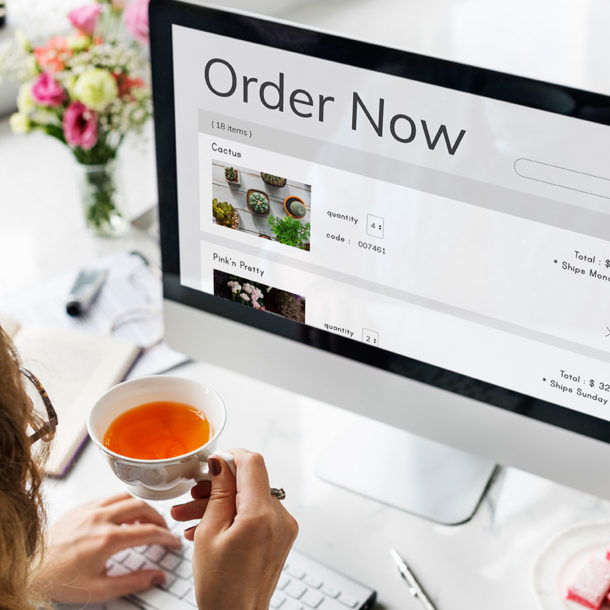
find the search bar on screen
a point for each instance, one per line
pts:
(563, 177)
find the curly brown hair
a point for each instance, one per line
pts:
(22, 515)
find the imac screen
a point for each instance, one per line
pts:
(440, 221)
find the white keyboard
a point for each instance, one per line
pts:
(304, 584)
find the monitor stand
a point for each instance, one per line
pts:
(409, 472)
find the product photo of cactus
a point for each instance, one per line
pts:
(258, 202)
(273, 180)
(295, 207)
(232, 174)
(225, 214)
(275, 211)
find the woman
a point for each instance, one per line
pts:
(240, 544)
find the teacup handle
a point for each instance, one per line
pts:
(227, 457)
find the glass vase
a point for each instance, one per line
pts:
(101, 196)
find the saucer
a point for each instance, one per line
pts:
(558, 564)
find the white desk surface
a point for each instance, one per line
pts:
(486, 563)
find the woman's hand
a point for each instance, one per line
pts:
(82, 541)
(243, 538)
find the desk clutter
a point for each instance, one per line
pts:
(77, 358)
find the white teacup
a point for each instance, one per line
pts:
(166, 478)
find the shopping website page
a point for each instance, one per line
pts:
(463, 231)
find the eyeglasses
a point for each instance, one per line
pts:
(41, 403)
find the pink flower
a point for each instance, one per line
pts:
(80, 126)
(234, 286)
(85, 18)
(136, 20)
(244, 296)
(46, 91)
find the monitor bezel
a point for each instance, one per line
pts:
(394, 62)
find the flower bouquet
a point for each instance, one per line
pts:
(88, 90)
(246, 293)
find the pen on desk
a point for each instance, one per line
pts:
(415, 589)
(85, 289)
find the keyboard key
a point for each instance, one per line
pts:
(149, 565)
(295, 589)
(296, 573)
(116, 569)
(141, 549)
(133, 562)
(180, 587)
(158, 598)
(155, 552)
(312, 598)
(291, 604)
(121, 555)
(312, 581)
(184, 569)
(350, 602)
(170, 561)
(282, 582)
(277, 599)
(330, 591)
(190, 598)
(169, 580)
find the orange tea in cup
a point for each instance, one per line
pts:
(158, 430)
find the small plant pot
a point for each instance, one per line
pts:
(250, 191)
(234, 221)
(273, 180)
(237, 181)
(289, 203)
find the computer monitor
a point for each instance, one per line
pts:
(419, 241)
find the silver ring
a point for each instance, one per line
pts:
(280, 494)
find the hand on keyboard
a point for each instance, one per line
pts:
(82, 541)
(243, 538)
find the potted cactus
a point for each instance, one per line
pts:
(232, 175)
(295, 206)
(224, 214)
(273, 180)
(258, 202)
